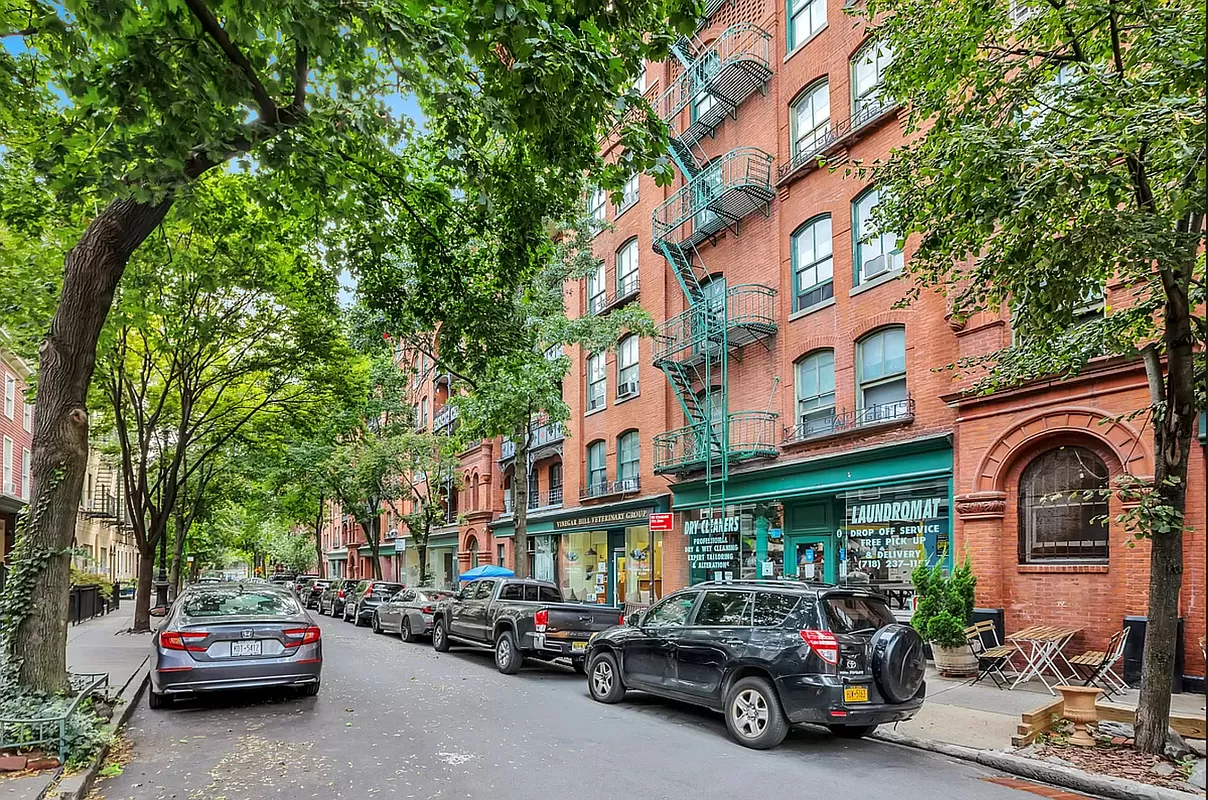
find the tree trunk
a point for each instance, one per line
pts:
(67, 358)
(320, 571)
(520, 493)
(421, 549)
(142, 592)
(178, 552)
(1174, 420)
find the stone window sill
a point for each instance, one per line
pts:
(1051, 569)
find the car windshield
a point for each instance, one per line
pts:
(227, 603)
(852, 614)
(385, 589)
(433, 595)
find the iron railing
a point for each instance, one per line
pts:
(609, 488)
(838, 131)
(750, 313)
(816, 427)
(624, 291)
(541, 434)
(445, 417)
(730, 188)
(752, 434)
(549, 499)
(18, 733)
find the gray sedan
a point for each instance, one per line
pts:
(234, 636)
(408, 613)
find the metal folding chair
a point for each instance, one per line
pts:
(992, 658)
(1098, 664)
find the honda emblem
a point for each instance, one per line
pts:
(246, 634)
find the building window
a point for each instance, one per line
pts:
(627, 367)
(867, 70)
(705, 71)
(629, 193)
(596, 295)
(627, 268)
(877, 252)
(597, 381)
(813, 263)
(27, 420)
(628, 458)
(8, 466)
(706, 188)
(1063, 507)
(597, 466)
(806, 17)
(10, 396)
(473, 552)
(555, 484)
(816, 393)
(881, 372)
(811, 120)
(597, 205)
(25, 473)
(639, 84)
(499, 555)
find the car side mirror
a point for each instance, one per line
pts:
(159, 611)
(635, 620)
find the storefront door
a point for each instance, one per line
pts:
(811, 557)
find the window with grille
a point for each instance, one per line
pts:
(813, 263)
(597, 381)
(1063, 507)
(627, 268)
(877, 252)
(811, 120)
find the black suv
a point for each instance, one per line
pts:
(332, 599)
(768, 654)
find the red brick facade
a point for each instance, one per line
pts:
(16, 436)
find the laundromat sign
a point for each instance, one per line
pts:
(866, 513)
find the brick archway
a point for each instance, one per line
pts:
(1022, 437)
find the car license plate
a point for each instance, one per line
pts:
(855, 694)
(578, 647)
(245, 649)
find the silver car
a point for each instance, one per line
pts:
(234, 636)
(408, 613)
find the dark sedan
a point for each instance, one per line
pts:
(310, 594)
(408, 613)
(333, 597)
(365, 597)
(234, 636)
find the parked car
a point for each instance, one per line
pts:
(365, 597)
(519, 619)
(409, 613)
(768, 654)
(310, 594)
(332, 600)
(303, 581)
(234, 636)
(282, 578)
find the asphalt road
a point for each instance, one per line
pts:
(399, 720)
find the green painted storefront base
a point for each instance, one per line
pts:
(886, 465)
(395, 547)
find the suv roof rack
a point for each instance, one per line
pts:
(763, 582)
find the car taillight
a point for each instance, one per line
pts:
(179, 640)
(541, 619)
(340, 594)
(621, 619)
(308, 635)
(429, 609)
(369, 588)
(824, 644)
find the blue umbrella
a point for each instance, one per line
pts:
(486, 571)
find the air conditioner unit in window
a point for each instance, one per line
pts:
(876, 266)
(627, 389)
(627, 485)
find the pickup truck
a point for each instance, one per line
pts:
(519, 619)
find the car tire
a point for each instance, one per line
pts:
(852, 731)
(356, 618)
(604, 679)
(753, 714)
(156, 701)
(508, 658)
(405, 630)
(375, 623)
(440, 637)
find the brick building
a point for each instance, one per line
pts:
(16, 437)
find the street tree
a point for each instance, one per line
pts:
(428, 474)
(1058, 149)
(112, 115)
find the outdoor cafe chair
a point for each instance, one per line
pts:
(990, 659)
(1098, 664)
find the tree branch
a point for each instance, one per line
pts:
(210, 25)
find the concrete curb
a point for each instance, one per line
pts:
(1054, 774)
(76, 786)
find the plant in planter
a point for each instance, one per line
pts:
(945, 603)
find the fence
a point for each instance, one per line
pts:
(86, 602)
(23, 734)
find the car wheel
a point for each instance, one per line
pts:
(356, 618)
(440, 637)
(405, 631)
(753, 714)
(508, 657)
(604, 681)
(852, 731)
(310, 690)
(156, 700)
(375, 622)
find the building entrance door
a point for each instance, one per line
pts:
(811, 557)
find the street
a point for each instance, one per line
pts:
(399, 720)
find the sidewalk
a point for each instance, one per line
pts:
(98, 645)
(985, 717)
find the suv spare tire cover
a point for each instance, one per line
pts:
(898, 662)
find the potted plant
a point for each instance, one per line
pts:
(945, 603)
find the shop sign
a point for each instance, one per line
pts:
(610, 520)
(713, 545)
(887, 538)
(661, 522)
(712, 525)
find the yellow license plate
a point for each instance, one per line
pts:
(855, 694)
(578, 647)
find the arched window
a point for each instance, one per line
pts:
(867, 71)
(555, 483)
(472, 487)
(813, 263)
(627, 268)
(472, 546)
(597, 467)
(1058, 519)
(881, 373)
(811, 120)
(628, 460)
(877, 252)
(815, 378)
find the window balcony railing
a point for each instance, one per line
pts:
(752, 434)
(541, 434)
(444, 418)
(730, 69)
(750, 316)
(537, 500)
(727, 190)
(610, 488)
(806, 153)
(626, 290)
(819, 426)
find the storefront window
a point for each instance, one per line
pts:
(641, 568)
(545, 554)
(888, 532)
(737, 542)
(585, 567)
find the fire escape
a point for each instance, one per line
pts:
(694, 349)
